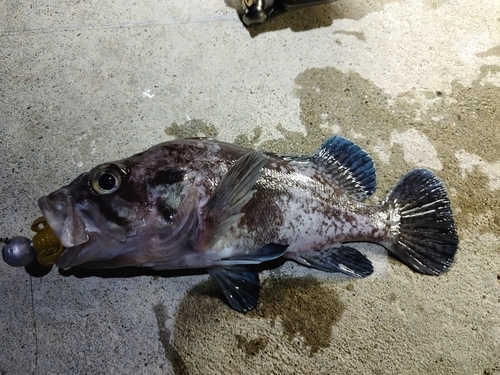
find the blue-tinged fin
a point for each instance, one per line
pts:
(231, 194)
(343, 259)
(426, 239)
(239, 284)
(346, 163)
(264, 254)
(349, 166)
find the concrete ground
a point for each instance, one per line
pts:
(416, 83)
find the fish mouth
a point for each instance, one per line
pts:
(60, 212)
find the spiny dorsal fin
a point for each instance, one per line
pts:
(349, 166)
(345, 162)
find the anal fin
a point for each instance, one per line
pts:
(239, 284)
(343, 259)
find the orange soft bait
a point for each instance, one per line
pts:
(45, 242)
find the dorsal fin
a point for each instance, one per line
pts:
(349, 166)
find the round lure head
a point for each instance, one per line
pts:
(18, 251)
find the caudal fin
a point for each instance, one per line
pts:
(425, 238)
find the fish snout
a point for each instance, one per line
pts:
(61, 214)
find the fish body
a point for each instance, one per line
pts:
(199, 203)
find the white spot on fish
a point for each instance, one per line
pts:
(417, 149)
(469, 161)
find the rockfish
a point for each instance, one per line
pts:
(199, 203)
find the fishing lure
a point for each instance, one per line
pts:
(45, 246)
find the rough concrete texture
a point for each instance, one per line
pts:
(415, 82)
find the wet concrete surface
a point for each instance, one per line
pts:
(414, 83)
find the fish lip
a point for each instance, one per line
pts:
(59, 209)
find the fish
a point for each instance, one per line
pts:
(198, 203)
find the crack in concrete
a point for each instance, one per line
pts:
(34, 326)
(164, 334)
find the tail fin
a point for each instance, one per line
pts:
(425, 238)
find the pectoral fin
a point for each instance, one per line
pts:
(264, 254)
(343, 259)
(240, 285)
(231, 194)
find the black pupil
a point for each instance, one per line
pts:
(107, 181)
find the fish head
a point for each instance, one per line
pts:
(103, 216)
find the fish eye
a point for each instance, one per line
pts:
(106, 179)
